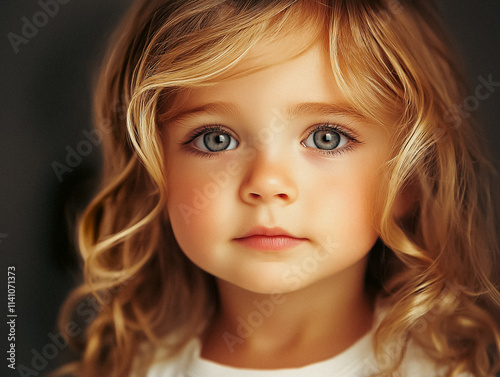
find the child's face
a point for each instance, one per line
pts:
(274, 149)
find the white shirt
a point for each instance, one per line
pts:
(357, 361)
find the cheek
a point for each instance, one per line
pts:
(198, 207)
(344, 210)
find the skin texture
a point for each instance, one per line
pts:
(274, 175)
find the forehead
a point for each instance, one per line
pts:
(270, 74)
(300, 87)
(275, 50)
(268, 57)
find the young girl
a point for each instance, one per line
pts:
(290, 193)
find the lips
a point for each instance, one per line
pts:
(269, 239)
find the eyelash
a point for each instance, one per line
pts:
(350, 135)
(201, 131)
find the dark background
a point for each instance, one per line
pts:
(45, 103)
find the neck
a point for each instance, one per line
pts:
(291, 329)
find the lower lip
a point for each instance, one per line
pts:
(270, 243)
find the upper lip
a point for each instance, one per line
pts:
(269, 232)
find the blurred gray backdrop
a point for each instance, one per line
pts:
(45, 103)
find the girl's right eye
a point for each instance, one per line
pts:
(215, 141)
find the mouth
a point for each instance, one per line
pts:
(269, 239)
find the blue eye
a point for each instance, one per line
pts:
(325, 138)
(215, 141)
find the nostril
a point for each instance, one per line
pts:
(256, 196)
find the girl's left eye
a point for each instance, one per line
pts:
(326, 138)
(215, 141)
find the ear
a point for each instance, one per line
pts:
(406, 200)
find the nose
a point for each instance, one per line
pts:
(267, 181)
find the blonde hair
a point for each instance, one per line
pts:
(435, 269)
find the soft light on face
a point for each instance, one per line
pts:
(272, 177)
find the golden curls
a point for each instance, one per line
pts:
(438, 278)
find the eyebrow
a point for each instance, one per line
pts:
(293, 111)
(209, 108)
(325, 109)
